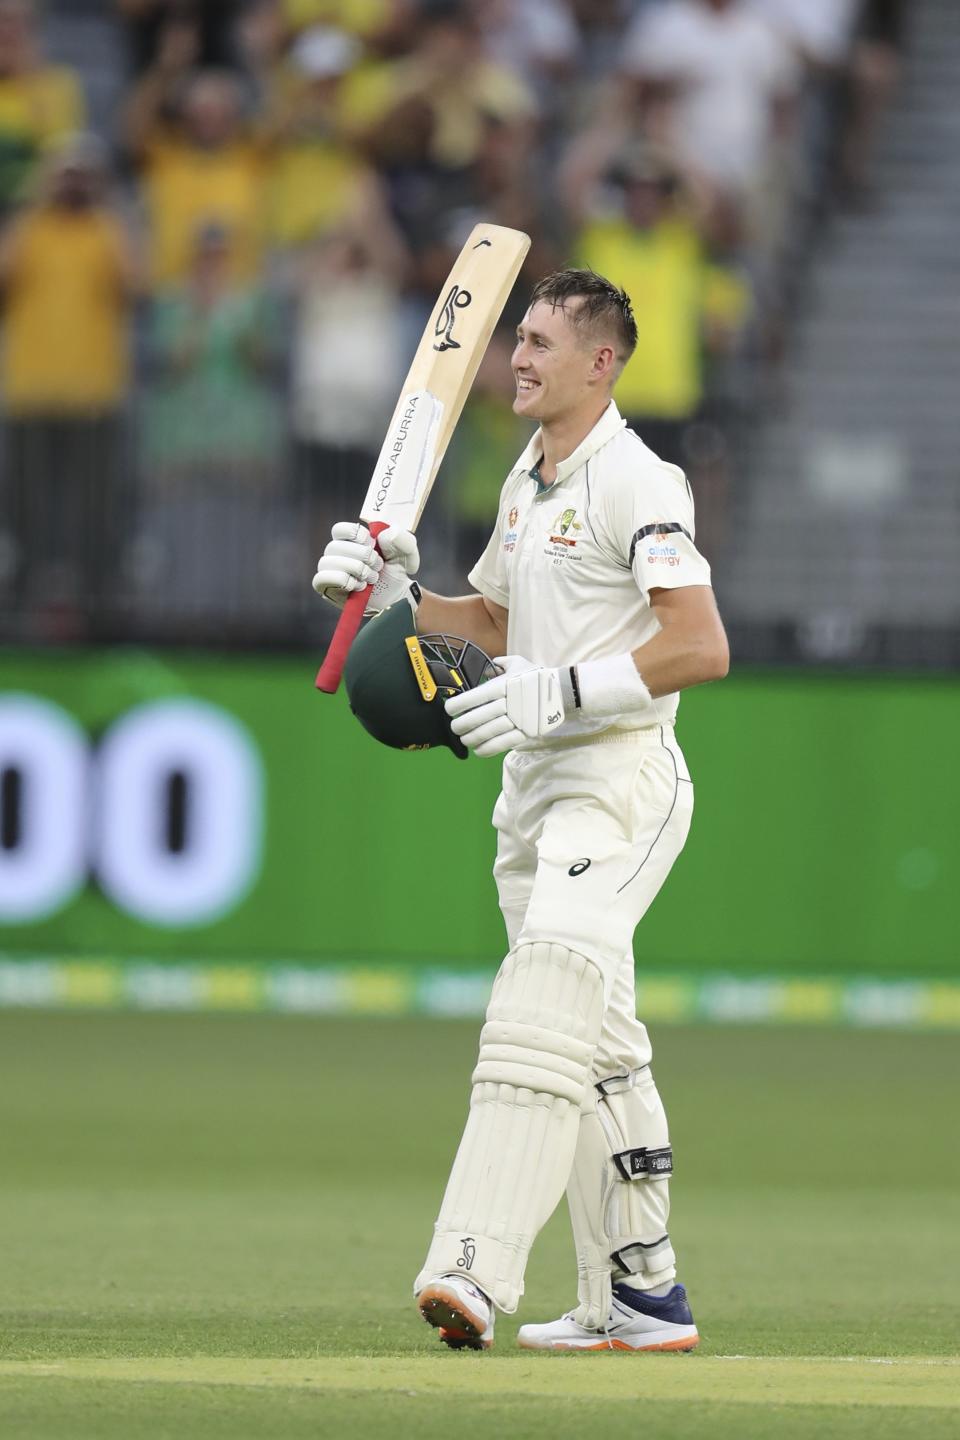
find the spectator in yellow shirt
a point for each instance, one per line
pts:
(198, 162)
(460, 88)
(68, 278)
(444, 107)
(317, 170)
(40, 104)
(688, 308)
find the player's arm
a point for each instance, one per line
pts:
(472, 617)
(691, 646)
(529, 701)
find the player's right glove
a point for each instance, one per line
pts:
(351, 561)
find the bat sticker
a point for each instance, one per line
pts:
(434, 392)
(457, 299)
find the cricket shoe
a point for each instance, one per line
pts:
(638, 1321)
(462, 1313)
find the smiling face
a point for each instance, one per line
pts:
(558, 369)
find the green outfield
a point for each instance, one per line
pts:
(209, 1226)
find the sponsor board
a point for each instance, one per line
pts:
(60, 983)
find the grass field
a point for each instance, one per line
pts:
(209, 1226)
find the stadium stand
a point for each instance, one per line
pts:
(847, 523)
(810, 268)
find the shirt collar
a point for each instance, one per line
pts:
(611, 422)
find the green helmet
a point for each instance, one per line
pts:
(398, 680)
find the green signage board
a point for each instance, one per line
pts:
(164, 806)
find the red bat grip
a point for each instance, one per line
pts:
(328, 676)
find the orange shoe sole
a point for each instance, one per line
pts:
(459, 1326)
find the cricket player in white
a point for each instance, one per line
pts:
(596, 603)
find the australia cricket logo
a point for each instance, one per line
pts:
(469, 1251)
(566, 520)
(457, 299)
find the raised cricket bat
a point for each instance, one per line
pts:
(433, 395)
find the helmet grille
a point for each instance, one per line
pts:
(449, 656)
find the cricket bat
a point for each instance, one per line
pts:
(433, 395)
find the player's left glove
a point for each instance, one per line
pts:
(531, 702)
(523, 703)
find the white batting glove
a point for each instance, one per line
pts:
(524, 703)
(351, 561)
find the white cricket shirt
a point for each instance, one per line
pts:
(575, 564)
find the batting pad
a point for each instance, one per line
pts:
(543, 1024)
(619, 1192)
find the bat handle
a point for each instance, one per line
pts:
(328, 676)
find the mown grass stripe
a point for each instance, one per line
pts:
(803, 1381)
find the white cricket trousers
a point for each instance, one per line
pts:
(587, 833)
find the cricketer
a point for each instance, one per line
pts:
(597, 609)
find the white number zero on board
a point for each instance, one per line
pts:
(167, 812)
(210, 757)
(45, 775)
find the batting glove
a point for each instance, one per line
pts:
(351, 561)
(529, 702)
(524, 703)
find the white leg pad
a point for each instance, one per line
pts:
(620, 1224)
(514, 1160)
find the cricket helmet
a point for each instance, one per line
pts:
(398, 680)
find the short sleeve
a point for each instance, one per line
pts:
(664, 557)
(656, 529)
(489, 575)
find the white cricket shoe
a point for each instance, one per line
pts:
(459, 1310)
(638, 1321)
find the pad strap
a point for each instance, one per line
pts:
(640, 1258)
(617, 1084)
(639, 1164)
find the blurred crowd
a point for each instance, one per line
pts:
(209, 302)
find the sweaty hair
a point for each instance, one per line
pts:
(603, 309)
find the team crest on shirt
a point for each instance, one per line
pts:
(565, 522)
